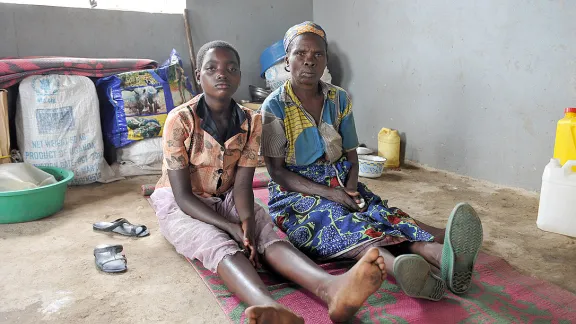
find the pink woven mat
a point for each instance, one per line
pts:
(499, 294)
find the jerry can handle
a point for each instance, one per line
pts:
(567, 167)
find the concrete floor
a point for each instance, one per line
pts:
(47, 271)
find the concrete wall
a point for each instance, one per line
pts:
(475, 86)
(250, 25)
(27, 30)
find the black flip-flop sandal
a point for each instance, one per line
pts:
(122, 226)
(109, 258)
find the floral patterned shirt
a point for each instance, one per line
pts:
(189, 142)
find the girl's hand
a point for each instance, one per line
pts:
(249, 240)
(237, 234)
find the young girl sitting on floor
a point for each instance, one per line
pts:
(205, 204)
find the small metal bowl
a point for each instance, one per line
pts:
(258, 94)
(364, 151)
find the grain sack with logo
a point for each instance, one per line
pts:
(58, 124)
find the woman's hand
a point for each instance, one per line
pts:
(249, 240)
(342, 197)
(357, 199)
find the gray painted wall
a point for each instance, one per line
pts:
(476, 87)
(27, 30)
(253, 25)
(250, 25)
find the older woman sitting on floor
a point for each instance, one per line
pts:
(309, 143)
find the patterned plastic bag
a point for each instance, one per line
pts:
(134, 105)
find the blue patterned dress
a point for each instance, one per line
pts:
(319, 227)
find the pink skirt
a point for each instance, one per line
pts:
(207, 243)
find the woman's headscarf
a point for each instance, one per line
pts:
(302, 28)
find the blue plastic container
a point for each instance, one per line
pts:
(271, 55)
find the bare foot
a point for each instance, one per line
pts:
(347, 293)
(272, 314)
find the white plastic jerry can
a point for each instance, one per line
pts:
(557, 210)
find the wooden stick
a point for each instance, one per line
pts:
(4, 125)
(195, 85)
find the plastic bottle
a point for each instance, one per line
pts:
(389, 147)
(565, 144)
(556, 212)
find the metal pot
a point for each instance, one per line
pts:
(258, 94)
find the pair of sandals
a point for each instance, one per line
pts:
(462, 244)
(109, 258)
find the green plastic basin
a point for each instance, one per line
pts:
(32, 204)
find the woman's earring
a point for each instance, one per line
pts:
(286, 68)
